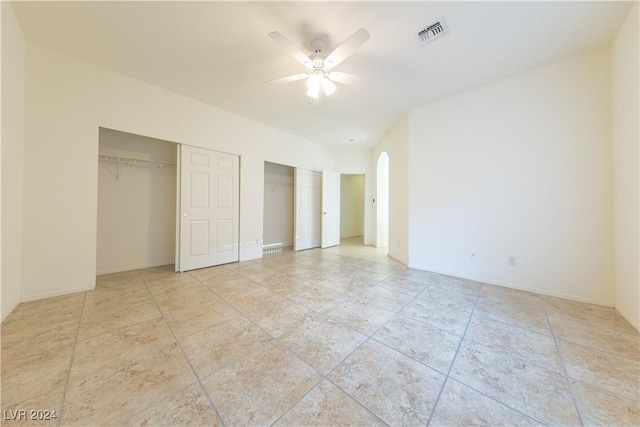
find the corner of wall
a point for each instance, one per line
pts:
(12, 89)
(626, 159)
(396, 144)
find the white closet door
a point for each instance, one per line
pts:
(209, 208)
(330, 208)
(307, 216)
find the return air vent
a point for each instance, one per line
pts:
(433, 32)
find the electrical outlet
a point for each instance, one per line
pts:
(511, 261)
(473, 255)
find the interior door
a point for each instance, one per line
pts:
(209, 208)
(307, 204)
(330, 208)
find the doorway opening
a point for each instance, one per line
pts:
(278, 226)
(382, 203)
(352, 208)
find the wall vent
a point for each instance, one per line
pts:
(433, 32)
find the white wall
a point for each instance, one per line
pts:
(396, 144)
(626, 189)
(67, 100)
(521, 167)
(278, 205)
(351, 205)
(136, 204)
(12, 123)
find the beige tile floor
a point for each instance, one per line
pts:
(341, 336)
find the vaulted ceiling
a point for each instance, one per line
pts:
(220, 53)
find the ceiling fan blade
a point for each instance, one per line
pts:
(344, 50)
(287, 79)
(290, 48)
(347, 78)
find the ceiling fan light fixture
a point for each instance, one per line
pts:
(319, 65)
(319, 81)
(328, 86)
(313, 85)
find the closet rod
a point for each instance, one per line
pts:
(280, 180)
(138, 162)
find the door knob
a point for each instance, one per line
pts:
(185, 214)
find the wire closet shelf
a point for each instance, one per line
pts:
(135, 162)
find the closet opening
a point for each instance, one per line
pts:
(278, 219)
(136, 202)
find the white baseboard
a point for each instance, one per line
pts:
(525, 288)
(4, 315)
(55, 293)
(131, 267)
(628, 319)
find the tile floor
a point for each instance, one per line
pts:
(341, 336)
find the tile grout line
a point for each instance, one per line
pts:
(497, 401)
(183, 352)
(444, 383)
(590, 347)
(301, 397)
(446, 375)
(198, 378)
(412, 358)
(256, 350)
(277, 341)
(244, 316)
(164, 399)
(356, 400)
(494, 398)
(370, 337)
(326, 376)
(367, 339)
(501, 321)
(399, 313)
(564, 368)
(73, 353)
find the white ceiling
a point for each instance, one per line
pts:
(219, 52)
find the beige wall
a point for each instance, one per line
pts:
(136, 204)
(522, 168)
(626, 160)
(67, 100)
(12, 123)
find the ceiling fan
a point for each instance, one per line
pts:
(319, 65)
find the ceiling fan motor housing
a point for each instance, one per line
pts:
(317, 57)
(317, 46)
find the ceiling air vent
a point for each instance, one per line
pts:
(433, 32)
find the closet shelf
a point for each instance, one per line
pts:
(136, 162)
(279, 179)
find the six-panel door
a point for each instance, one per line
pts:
(308, 194)
(209, 208)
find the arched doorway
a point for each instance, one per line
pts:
(382, 203)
